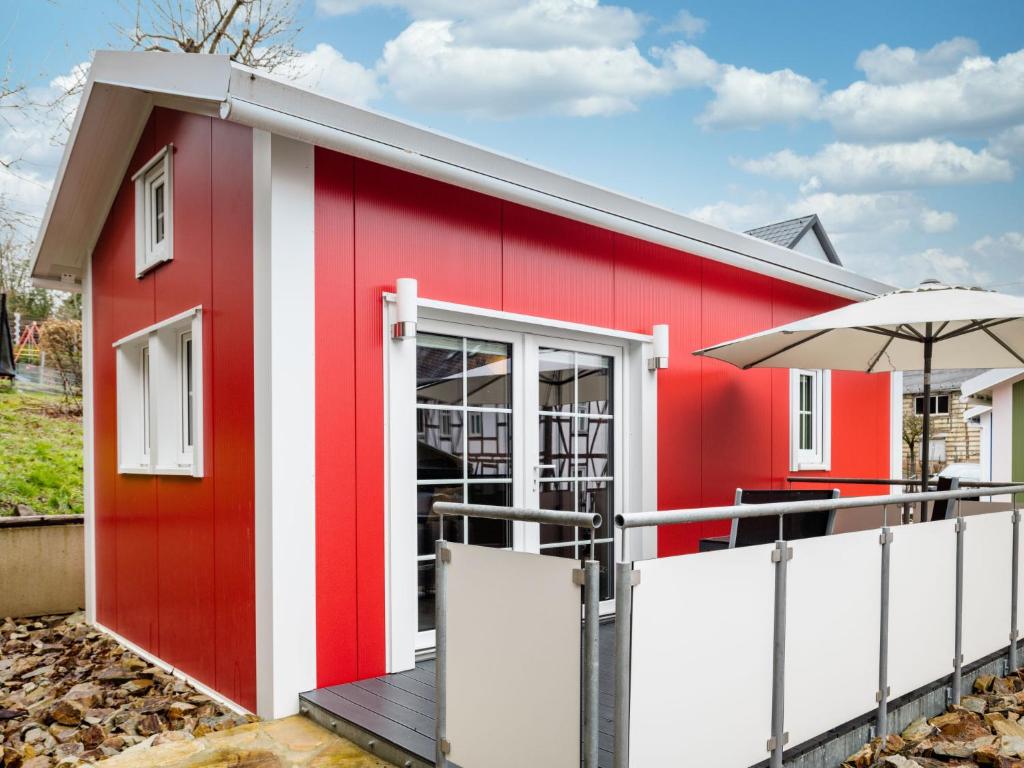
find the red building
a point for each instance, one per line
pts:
(261, 451)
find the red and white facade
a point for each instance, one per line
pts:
(264, 539)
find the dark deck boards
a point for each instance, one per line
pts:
(399, 708)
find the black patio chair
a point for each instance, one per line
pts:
(749, 531)
(943, 509)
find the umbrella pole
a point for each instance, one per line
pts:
(926, 418)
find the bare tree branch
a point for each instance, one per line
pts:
(257, 33)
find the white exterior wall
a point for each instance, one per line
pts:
(1002, 432)
(283, 288)
(985, 445)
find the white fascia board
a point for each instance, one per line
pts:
(119, 93)
(283, 109)
(984, 382)
(195, 82)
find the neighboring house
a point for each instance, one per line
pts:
(995, 399)
(257, 496)
(953, 438)
(805, 235)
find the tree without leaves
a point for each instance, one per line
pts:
(257, 33)
(913, 428)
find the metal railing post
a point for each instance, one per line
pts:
(882, 696)
(591, 655)
(781, 556)
(443, 555)
(958, 644)
(623, 638)
(1014, 588)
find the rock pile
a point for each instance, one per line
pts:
(987, 729)
(70, 694)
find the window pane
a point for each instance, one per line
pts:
(806, 397)
(559, 496)
(427, 527)
(439, 446)
(489, 453)
(593, 447)
(186, 352)
(556, 381)
(942, 404)
(597, 497)
(595, 388)
(555, 441)
(425, 579)
(158, 212)
(490, 533)
(607, 580)
(488, 374)
(806, 432)
(438, 369)
(919, 405)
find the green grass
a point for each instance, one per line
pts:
(40, 454)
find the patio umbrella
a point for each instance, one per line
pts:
(7, 370)
(929, 327)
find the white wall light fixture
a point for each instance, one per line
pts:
(405, 323)
(660, 357)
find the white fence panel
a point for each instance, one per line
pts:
(987, 576)
(701, 659)
(514, 653)
(832, 616)
(922, 590)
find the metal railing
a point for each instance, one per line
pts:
(591, 600)
(781, 555)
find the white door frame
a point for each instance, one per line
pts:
(635, 439)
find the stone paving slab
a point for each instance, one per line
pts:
(292, 741)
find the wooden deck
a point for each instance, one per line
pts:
(393, 715)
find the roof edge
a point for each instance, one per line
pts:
(202, 83)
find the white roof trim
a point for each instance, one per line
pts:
(203, 83)
(985, 382)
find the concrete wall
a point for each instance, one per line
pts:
(42, 565)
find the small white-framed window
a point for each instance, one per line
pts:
(938, 405)
(154, 211)
(187, 401)
(159, 398)
(810, 434)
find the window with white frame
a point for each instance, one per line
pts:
(810, 419)
(938, 405)
(154, 211)
(159, 398)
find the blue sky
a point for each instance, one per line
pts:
(901, 124)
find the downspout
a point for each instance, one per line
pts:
(926, 419)
(321, 135)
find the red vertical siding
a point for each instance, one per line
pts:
(174, 554)
(335, 404)
(719, 427)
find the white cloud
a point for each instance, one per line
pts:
(430, 65)
(327, 71)
(845, 167)
(982, 96)
(1009, 143)
(686, 24)
(420, 9)
(903, 65)
(31, 144)
(746, 98)
(842, 214)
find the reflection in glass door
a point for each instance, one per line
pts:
(464, 445)
(574, 470)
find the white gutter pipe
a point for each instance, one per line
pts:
(290, 126)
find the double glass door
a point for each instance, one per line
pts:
(514, 419)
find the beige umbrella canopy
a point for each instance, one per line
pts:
(932, 326)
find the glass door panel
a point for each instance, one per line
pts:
(464, 446)
(574, 468)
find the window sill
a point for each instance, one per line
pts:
(811, 468)
(178, 471)
(149, 266)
